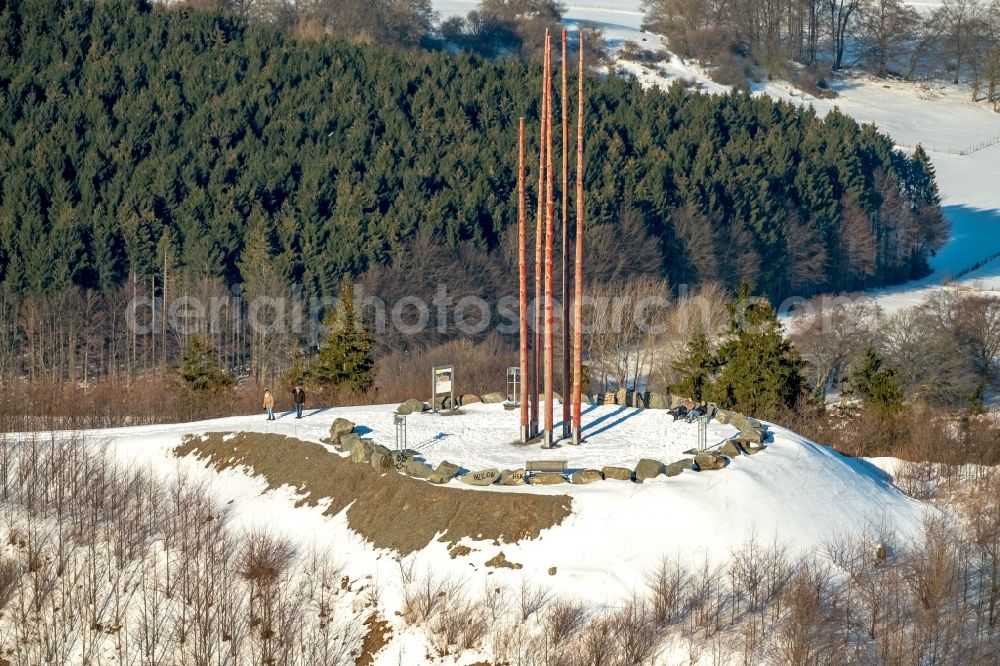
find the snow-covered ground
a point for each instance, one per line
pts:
(795, 491)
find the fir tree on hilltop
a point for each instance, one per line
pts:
(344, 358)
(760, 372)
(696, 367)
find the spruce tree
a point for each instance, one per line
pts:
(760, 372)
(344, 359)
(877, 385)
(199, 370)
(695, 368)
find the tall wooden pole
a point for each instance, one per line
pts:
(522, 223)
(536, 348)
(549, 214)
(578, 275)
(565, 245)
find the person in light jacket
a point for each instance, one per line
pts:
(300, 398)
(269, 404)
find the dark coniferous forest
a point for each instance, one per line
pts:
(143, 147)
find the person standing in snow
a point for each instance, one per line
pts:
(269, 404)
(300, 398)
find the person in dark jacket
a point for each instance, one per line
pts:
(700, 410)
(300, 398)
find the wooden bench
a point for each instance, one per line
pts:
(545, 466)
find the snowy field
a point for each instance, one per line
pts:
(795, 491)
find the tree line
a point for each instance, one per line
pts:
(156, 153)
(959, 39)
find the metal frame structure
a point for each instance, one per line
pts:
(399, 420)
(514, 385)
(434, 391)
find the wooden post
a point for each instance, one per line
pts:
(549, 214)
(536, 348)
(565, 245)
(522, 283)
(578, 276)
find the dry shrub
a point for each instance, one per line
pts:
(479, 368)
(43, 405)
(563, 620)
(732, 70)
(533, 599)
(596, 642)
(461, 624)
(119, 563)
(10, 577)
(264, 558)
(667, 587)
(636, 636)
(425, 594)
(917, 479)
(808, 632)
(813, 80)
(496, 601)
(708, 598)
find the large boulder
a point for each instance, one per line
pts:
(347, 441)
(741, 422)
(340, 427)
(675, 468)
(400, 458)
(547, 479)
(617, 473)
(609, 398)
(382, 458)
(658, 400)
(648, 469)
(444, 473)
(361, 450)
(442, 402)
(512, 477)
(486, 477)
(494, 398)
(411, 406)
(417, 469)
(725, 416)
(586, 476)
(730, 448)
(707, 461)
(501, 561)
(470, 399)
(751, 448)
(753, 435)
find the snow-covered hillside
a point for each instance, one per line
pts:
(795, 491)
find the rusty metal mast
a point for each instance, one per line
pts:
(578, 275)
(549, 214)
(522, 282)
(565, 244)
(536, 348)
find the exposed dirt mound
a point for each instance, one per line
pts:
(390, 510)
